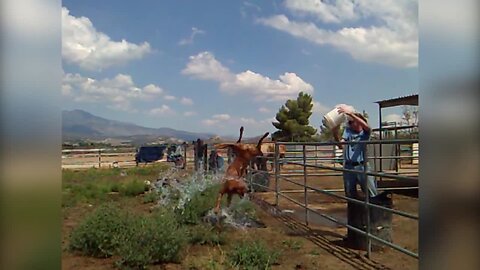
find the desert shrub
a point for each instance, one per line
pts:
(89, 192)
(243, 208)
(205, 235)
(252, 255)
(151, 239)
(292, 244)
(115, 186)
(151, 170)
(133, 188)
(67, 199)
(150, 197)
(198, 206)
(98, 234)
(68, 175)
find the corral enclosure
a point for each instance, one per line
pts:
(282, 207)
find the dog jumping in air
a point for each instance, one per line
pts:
(233, 181)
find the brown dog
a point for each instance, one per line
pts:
(234, 182)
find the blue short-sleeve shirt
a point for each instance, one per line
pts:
(354, 152)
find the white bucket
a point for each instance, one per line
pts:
(334, 119)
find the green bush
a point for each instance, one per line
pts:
(149, 240)
(252, 255)
(150, 197)
(244, 208)
(151, 170)
(97, 235)
(198, 206)
(205, 235)
(133, 188)
(115, 186)
(292, 244)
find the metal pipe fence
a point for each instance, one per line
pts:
(308, 169)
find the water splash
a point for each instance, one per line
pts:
(176, 194)
(237, 220)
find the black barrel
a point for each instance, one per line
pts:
(380, 222)
(260, 181)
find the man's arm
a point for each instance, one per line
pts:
(336, 136)
(359, 120)
(355, 118)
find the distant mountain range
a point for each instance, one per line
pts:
(79, 124)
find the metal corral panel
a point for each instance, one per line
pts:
(387, 150)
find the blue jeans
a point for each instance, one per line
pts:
(350, 181)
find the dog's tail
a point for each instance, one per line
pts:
(241, 134)
(259, 144)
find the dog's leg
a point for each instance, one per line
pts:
(229, 199)
(219, 200)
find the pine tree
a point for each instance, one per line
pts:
(292, 120)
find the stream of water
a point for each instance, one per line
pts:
(176, 193)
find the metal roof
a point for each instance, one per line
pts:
(405, 100)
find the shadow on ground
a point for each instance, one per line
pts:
(337, 248)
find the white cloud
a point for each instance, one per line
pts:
(252, 5)
(221, 117)
(186, 101)
(267, 123)
(329, 13)
(189, 113)
(90, 49)
(209, 122)
(249, 6)
(169, 97)
(161, 111)
(391, 39)
(117, 92)
(189, 40)
(248, 120)
(393, 118)
(263, 110)
(204, 66)
(66, 90)
(152, 89)
(217, 118)
(320, 108)
(253, 126)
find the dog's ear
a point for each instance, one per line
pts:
(241, 134)
(236, 148)
(224, 145)
(261, 139)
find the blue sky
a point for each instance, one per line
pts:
(215, 65)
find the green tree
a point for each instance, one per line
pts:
(326, 133)
(292, 120)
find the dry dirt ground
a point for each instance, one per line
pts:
(318, 246)
(328, 236)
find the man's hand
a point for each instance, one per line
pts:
(336, 135)
(344, 109)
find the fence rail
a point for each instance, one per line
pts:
(323, 167)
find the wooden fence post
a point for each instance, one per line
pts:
(99, 158)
